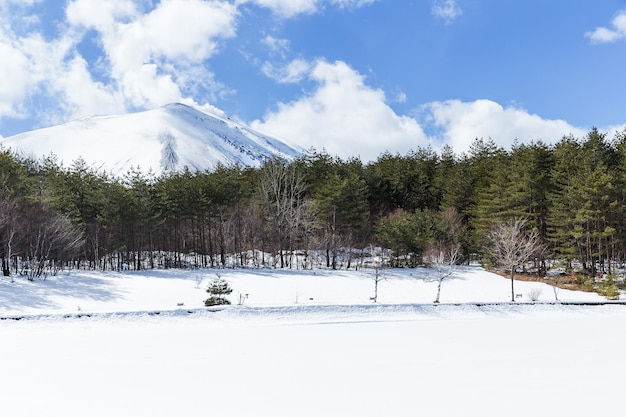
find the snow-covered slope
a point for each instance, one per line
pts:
(168, 138)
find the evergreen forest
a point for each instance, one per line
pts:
(318, 210)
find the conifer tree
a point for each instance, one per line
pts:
(218, 289)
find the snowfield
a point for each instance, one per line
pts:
(166, 289)
(305, 343)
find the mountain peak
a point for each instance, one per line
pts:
(166, 139)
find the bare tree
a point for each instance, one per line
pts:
(48, 237)
(378, 276)
(512, 246)
(444, 258)
(8, 225)
(557, 281)
(377, 266)
(282, 194)
(444, 253)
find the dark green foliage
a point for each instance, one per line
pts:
(572, 194)
(219, 289)
(216, 301)
(608, 288)
(404, 182)
(406, 234)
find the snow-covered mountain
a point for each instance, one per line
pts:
(165, 139)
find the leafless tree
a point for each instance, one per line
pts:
(512, 246)
(452, 224)
(444, 253)
(444, 258)
(47, 237)
(8, 226)
(378, 276)
(557, 281)
(282, 193)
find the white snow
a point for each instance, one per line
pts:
(305, 343)
(167, 138)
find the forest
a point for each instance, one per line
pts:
(319, 210)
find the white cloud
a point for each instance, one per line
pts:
(293, 72)
(605, 35)
(343, 116)
(207, 108)
(17, 78)
(447, 10)
(275, 45)
(459, 123)
(151, 56)
(152, 52)
(287, 8)
(83, 95)
(176, 30)
(350, 119)
(291, 8)
(154, 56)
(186, 29)
(100, 15)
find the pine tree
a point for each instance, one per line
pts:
(342, 214)
(218, 289)
(487, 170)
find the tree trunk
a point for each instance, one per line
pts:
(512, 284)
(438, 291)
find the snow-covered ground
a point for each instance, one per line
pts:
(304, 344)
(166, 289)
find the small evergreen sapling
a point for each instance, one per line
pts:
(608, 288)
(219, 289)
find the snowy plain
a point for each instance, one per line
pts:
(305, 343)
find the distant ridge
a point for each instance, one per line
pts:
(166, 139)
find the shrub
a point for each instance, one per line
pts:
(534, 294)
(588, 283)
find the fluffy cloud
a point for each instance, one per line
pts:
(19, 78)
(150, 53)
(84, 96)
(350, 119)
(605, 35)
(145, 51)
(100, 15)
(149, 57)
(343, 116)
(459, 123)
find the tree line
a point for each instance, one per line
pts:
(319, 210)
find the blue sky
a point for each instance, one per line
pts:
(355, 77)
